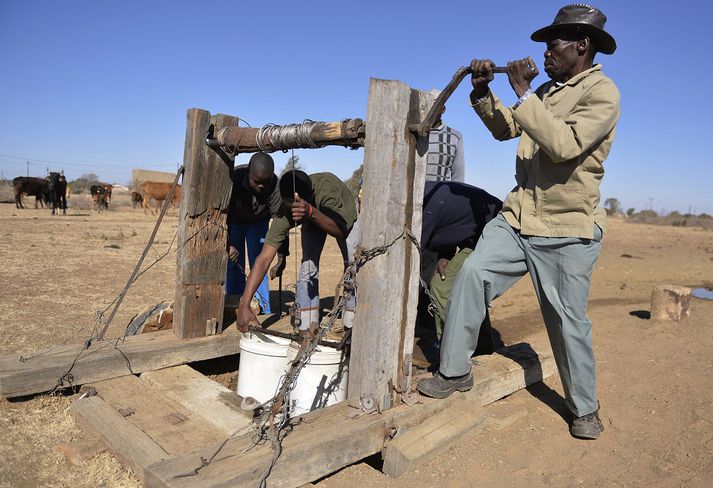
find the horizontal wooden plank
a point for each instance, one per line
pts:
(433, 436)
(108, 359)
(327, 440)
(124, 440)
(176, 429)
(204, 397)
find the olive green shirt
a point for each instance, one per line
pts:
(331, 197)
(566, 132)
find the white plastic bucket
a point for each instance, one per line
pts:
(322, 382)
(263, 361)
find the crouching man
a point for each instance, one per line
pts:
(454, 215)
(322, 205)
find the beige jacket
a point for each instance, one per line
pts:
(565, 133)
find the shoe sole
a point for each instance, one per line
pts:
(586, 437)
(440, 395)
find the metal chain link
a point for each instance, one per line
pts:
(275, 415)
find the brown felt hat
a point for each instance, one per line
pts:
(579, 17)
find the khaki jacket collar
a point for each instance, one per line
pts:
(576, 78)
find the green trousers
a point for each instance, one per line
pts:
(560, 269)
(441, 290)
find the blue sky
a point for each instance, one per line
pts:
(103, 86)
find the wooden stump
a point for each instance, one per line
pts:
(670, 303)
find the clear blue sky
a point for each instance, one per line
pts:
(103, 86)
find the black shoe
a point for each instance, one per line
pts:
(441, 386)
(587, 426)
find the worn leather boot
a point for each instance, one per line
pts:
(441, 386)
(587, 426)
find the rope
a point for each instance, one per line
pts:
(272, 137)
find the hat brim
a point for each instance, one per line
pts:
(604, 41)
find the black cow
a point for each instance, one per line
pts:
(58, 192)
(31, 186)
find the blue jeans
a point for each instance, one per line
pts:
(251, 236)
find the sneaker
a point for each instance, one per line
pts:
(442, 386)
(587, 426)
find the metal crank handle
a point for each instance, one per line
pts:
(497, 69)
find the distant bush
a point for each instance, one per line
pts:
(675, 219)
(82, 184)
(7, 194)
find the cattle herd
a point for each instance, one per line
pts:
(53, 192)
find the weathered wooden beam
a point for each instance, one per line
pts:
(175, 428)
(433, 436)
(349, 133)
(40, 371)
(202, 230)
(204, 397)
(128, 443)
(327, 440)
(394, 178)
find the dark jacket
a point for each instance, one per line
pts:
(454, 215)
(248, 208)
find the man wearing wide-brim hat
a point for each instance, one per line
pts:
(551, 225)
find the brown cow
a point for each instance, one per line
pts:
(99, 196)
(136, 199)
(158, 191)
(107, 193)
(99, 202)
(176, 200)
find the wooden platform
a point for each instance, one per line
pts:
(108, 359)
(165, 433)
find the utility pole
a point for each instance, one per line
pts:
(28, 168)
(651, 203)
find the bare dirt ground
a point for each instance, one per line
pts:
(655, 379)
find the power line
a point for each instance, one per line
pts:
(83, 165)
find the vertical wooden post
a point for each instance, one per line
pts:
(383, 334)
(202, 229)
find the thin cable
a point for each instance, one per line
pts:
(294, 240)
(143, 255)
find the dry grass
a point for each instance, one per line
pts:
(32, 429)
(56, 273)
(654, 378)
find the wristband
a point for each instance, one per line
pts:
(524, 97)
(311, 208)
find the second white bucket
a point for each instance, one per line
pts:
(263, 360)
(322, 382)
